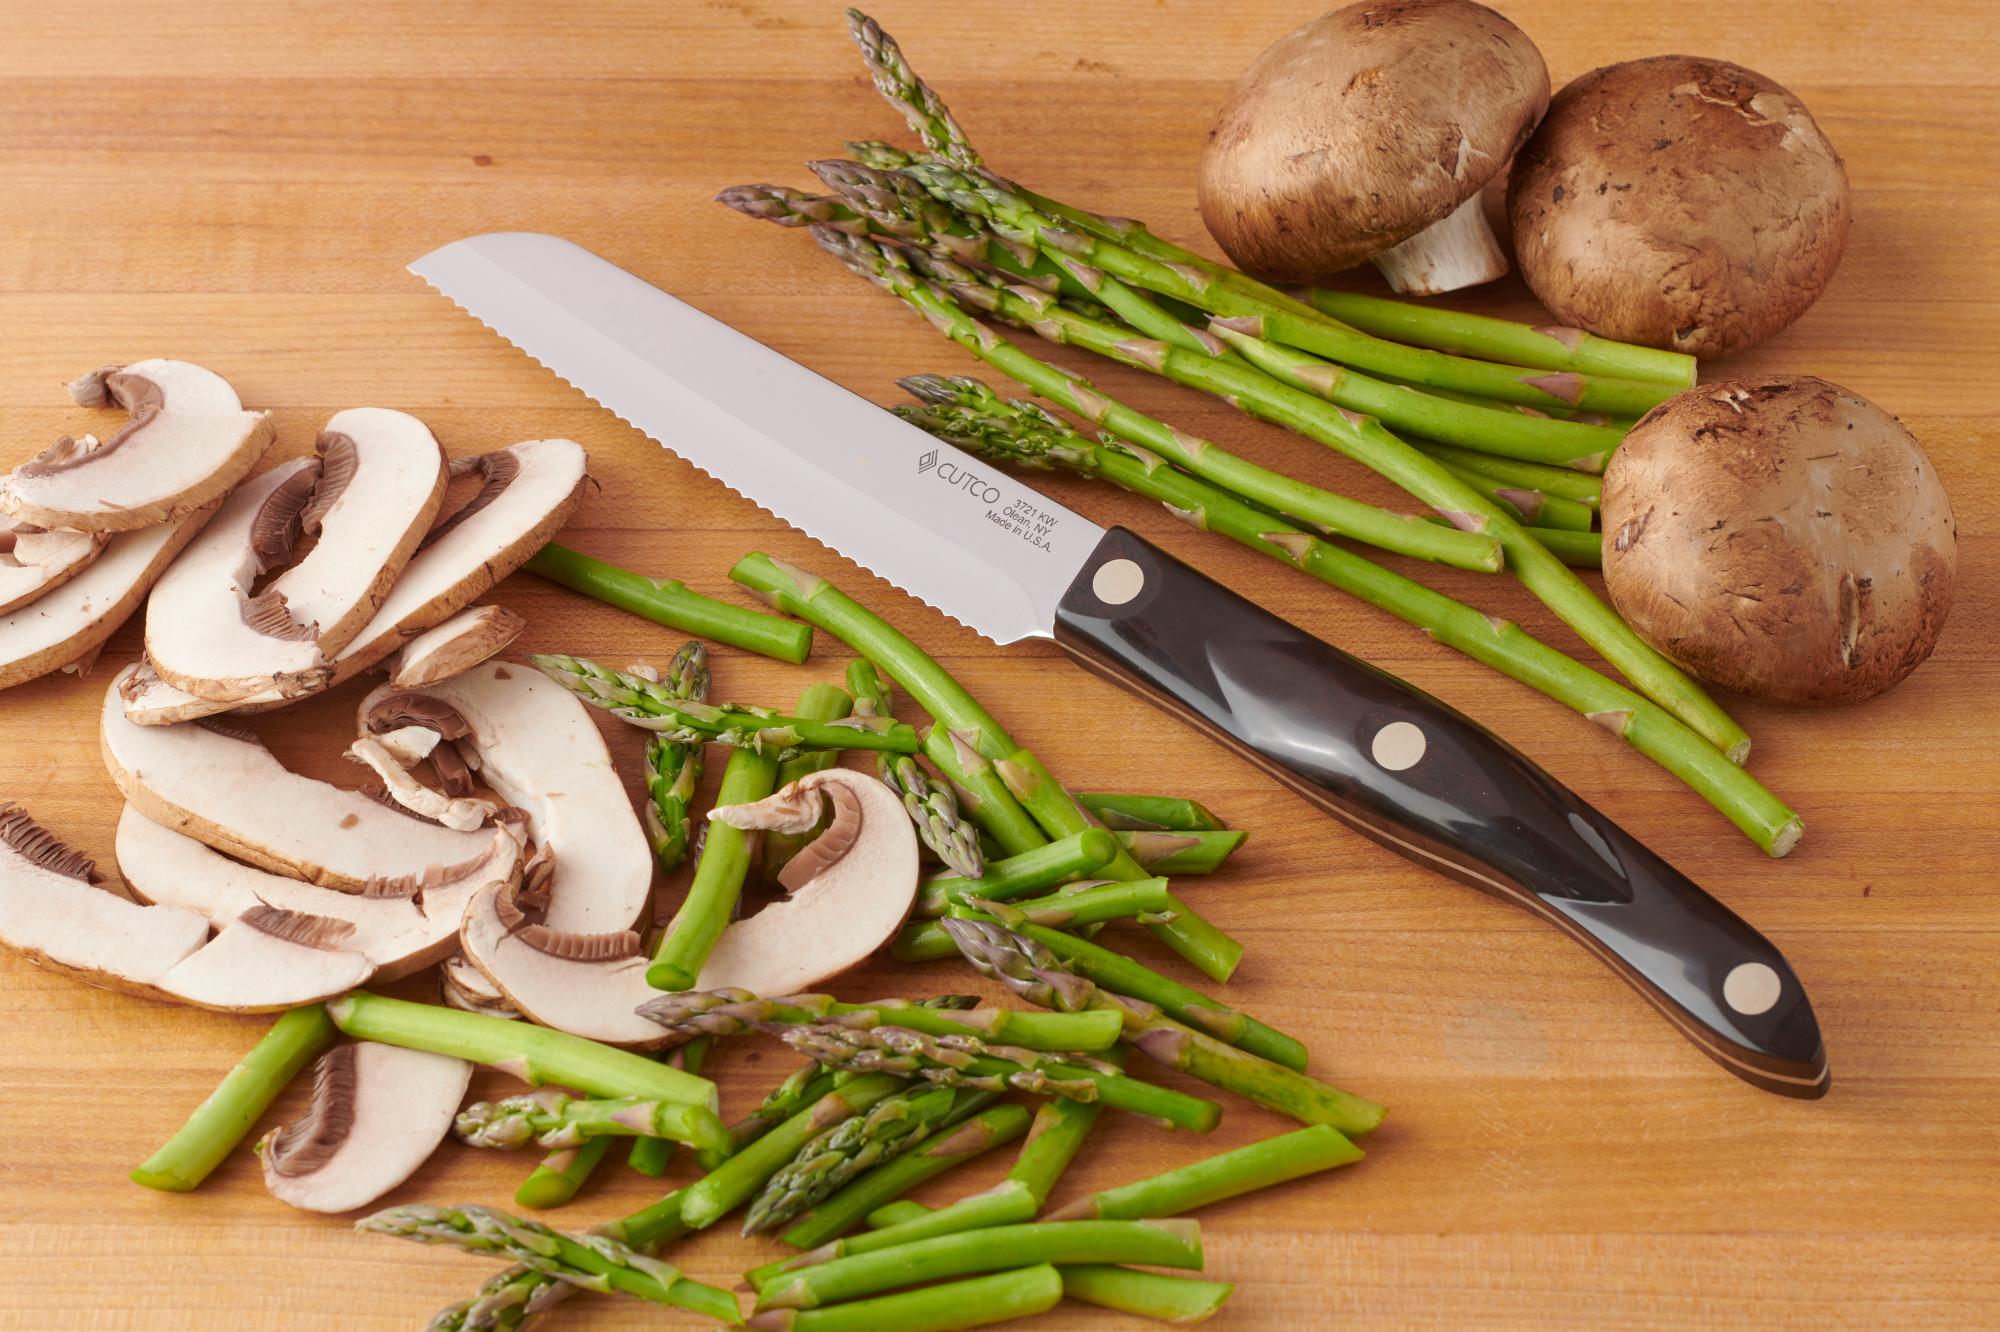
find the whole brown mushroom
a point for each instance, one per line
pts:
(1368, 134)
(1678, 202)
(1781, 537)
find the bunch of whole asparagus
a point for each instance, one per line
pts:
(1498, 429)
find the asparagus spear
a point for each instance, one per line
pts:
(971, 748)
(1178, 853)
(952, 1305)
(670, 603)
(1545, 576)
(1070, 906)
(1154, 1295)
(734, 1181)
(592, 1262)
(562, 1172)
(870, 690)
(963, 1061)
(536, 1055)
(1579, 550)
(1144, 813)
(948, 1147)
(1503, 339)
(935, 812)
(908, 1209)
(819, 702)
(826, 1164)
(718, 880)
(1227, 1175)
(1016, 876)
(1530, 508)
(1155, 1243)
(232, 1109)
(551, 1119)
(648, 704)
(1566, 482)
(673, 770)
(733, 1012)
(1035, 973)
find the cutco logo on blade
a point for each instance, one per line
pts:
(958, 478)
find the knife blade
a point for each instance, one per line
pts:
(978, 545)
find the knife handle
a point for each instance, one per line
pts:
(1431, 783)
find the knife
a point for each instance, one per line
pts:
(1376, 753)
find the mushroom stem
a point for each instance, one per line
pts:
(669, 602)
(1460, 251)
(233, 1108)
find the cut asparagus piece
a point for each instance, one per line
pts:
(673, 770)
(708, 1199)
(903, 1209)
(734, 1012)
(947, 1307)
(1570, 484)
(233, 1108)
(561, 1173)
(888, 1129)
(711, 898)
(776, 849)
(934, 811)
(651, 1156)
(669, 602)
(1145, 813)
(1154, 1243)
(1176, 854)
(1070, 906)
(1073, 857)
(1155, 1295)
(552, 1119)
(591, 1262)
(948, 1147)
(1228, 1175)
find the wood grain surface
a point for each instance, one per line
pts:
(241, 185)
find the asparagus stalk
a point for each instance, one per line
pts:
(1017, 876)
(232, 1109)
(908, 1209)
(1154, 1295)
(1530, 508)
(1070, 906)
(652, 706)
(870, 690)
(1562, 482)
(718, 880)
(1155, 1243)
(977, 1302)
(592, 1262)
(825, 1165)
(1143, 813)
(551, 1119)
(970, 746)
(562, 1172)
(1540, 571)
(1503, 339)
(1179, 853)
(935, 812)
(734, 1012)
(819, 702)
(704, 1202)
(1288, 1156)
(962, 1061)
(670, 603)
(948, 1147)
(804, 1086)
(1579, 550)
(673, 770)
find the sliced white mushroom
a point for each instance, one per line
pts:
(224, 788)
(852, 886)
(53, 909)
(401, 928)
(36, 560)
(377, 1113)
(188, 441)
(460, 643)
(584, 984)
(539, 749)
(461, 812)
(71, 622)
(462, 985)
(409, 745)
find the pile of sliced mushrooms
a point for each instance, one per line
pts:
(517, 866)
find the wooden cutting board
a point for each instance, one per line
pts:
(241, 185)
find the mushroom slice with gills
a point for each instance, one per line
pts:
(460, 643)
(222, 787)
(851, 887)
(539, 749)
(189, 441)
(464, 986)
(585, 984)
(453, 811)
(532, 489)
(1368, 134)
(269, 959)
(36, 560)
(400, 926)
(377, 1113)
(71, 622)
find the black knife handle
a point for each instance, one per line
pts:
(1431, 783)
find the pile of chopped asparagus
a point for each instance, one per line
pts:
(1499, 429)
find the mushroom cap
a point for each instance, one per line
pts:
(854, 903)
(1678, 202)
(75, 619)
(377, 1114)
(1363, 127)
(460, 643)
(1781, 537)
